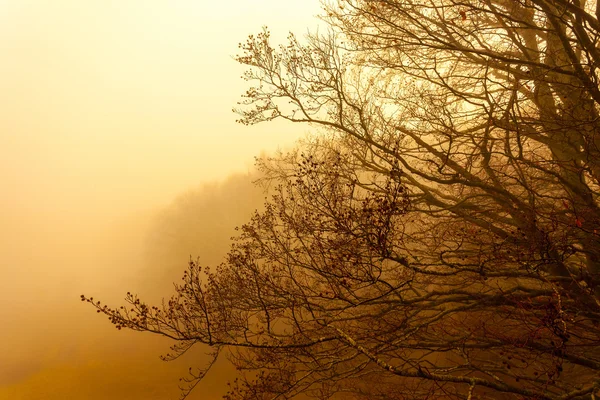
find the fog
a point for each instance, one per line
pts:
(56, 345)
(119, 158)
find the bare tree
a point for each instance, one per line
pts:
(439, 233)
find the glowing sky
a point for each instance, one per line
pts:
(109, 109)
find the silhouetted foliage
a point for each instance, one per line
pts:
(439, 235)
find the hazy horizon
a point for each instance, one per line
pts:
(113, 111)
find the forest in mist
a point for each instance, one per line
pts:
(436, 230)
(78, 355)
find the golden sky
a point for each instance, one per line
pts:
(109, 110)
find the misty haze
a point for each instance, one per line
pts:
(403, 204)
(119, 159)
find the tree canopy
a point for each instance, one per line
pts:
(439, 231)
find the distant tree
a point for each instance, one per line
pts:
(439, 235)
(200, 221)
